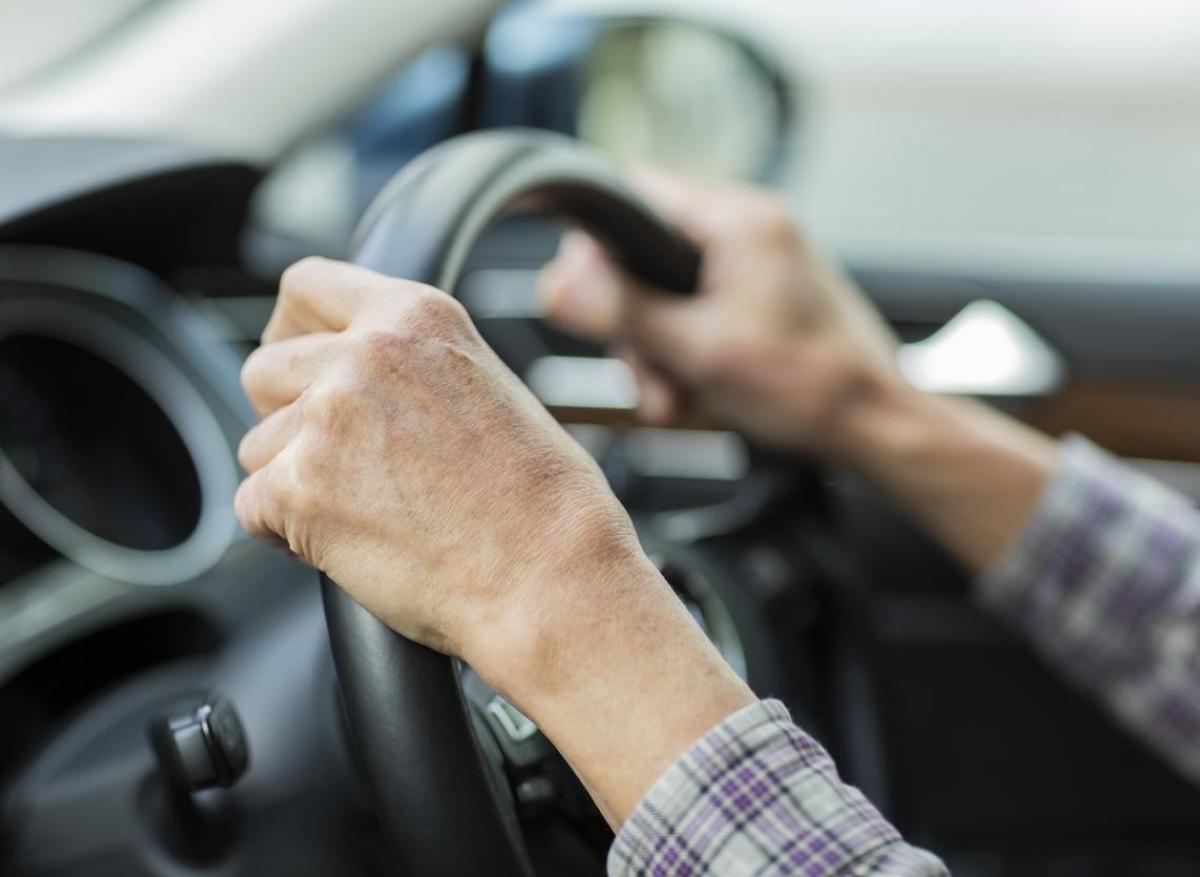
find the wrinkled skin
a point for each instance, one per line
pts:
(401, 457)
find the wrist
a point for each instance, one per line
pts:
(528, 649)
(616, 673)
(969, 474)
(896, 430)
(873, 411)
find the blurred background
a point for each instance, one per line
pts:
(1059, 132)
(1015, 184)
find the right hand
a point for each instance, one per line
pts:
(777, 343)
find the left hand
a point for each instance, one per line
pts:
(399, 455)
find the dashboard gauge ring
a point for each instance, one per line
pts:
(180, 402)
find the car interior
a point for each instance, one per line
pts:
(1015, 189)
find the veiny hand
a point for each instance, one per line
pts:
(776, 344)
(401, 457)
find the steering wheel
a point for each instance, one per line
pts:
(444, 803)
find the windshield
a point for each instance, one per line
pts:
(1024, 132)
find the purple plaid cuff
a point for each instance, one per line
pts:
(756, 795)
(1105, 581)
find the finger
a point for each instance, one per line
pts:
(263, 443)
(581, 290)
(253, 504)
(277, 373)
(672, 335)
(318, 294)
(659, 400)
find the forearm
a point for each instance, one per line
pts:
(618, 676)
(621, 679)
(1095, 563)
(966, 473)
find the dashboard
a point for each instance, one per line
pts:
(136, 458)
(127, 591)
(119, 408)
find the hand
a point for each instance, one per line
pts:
(777, 343)
(783, 347)
(401, 457)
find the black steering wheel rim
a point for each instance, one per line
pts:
(439, 803)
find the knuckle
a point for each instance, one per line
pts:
(327, 404)
(432, 313)
(294, 276)
(772, 219)
(290, 486)
(380, 351)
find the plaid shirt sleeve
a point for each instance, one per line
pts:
(1105, 581)
(757, 796)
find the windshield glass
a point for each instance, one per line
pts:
(1024, 132)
